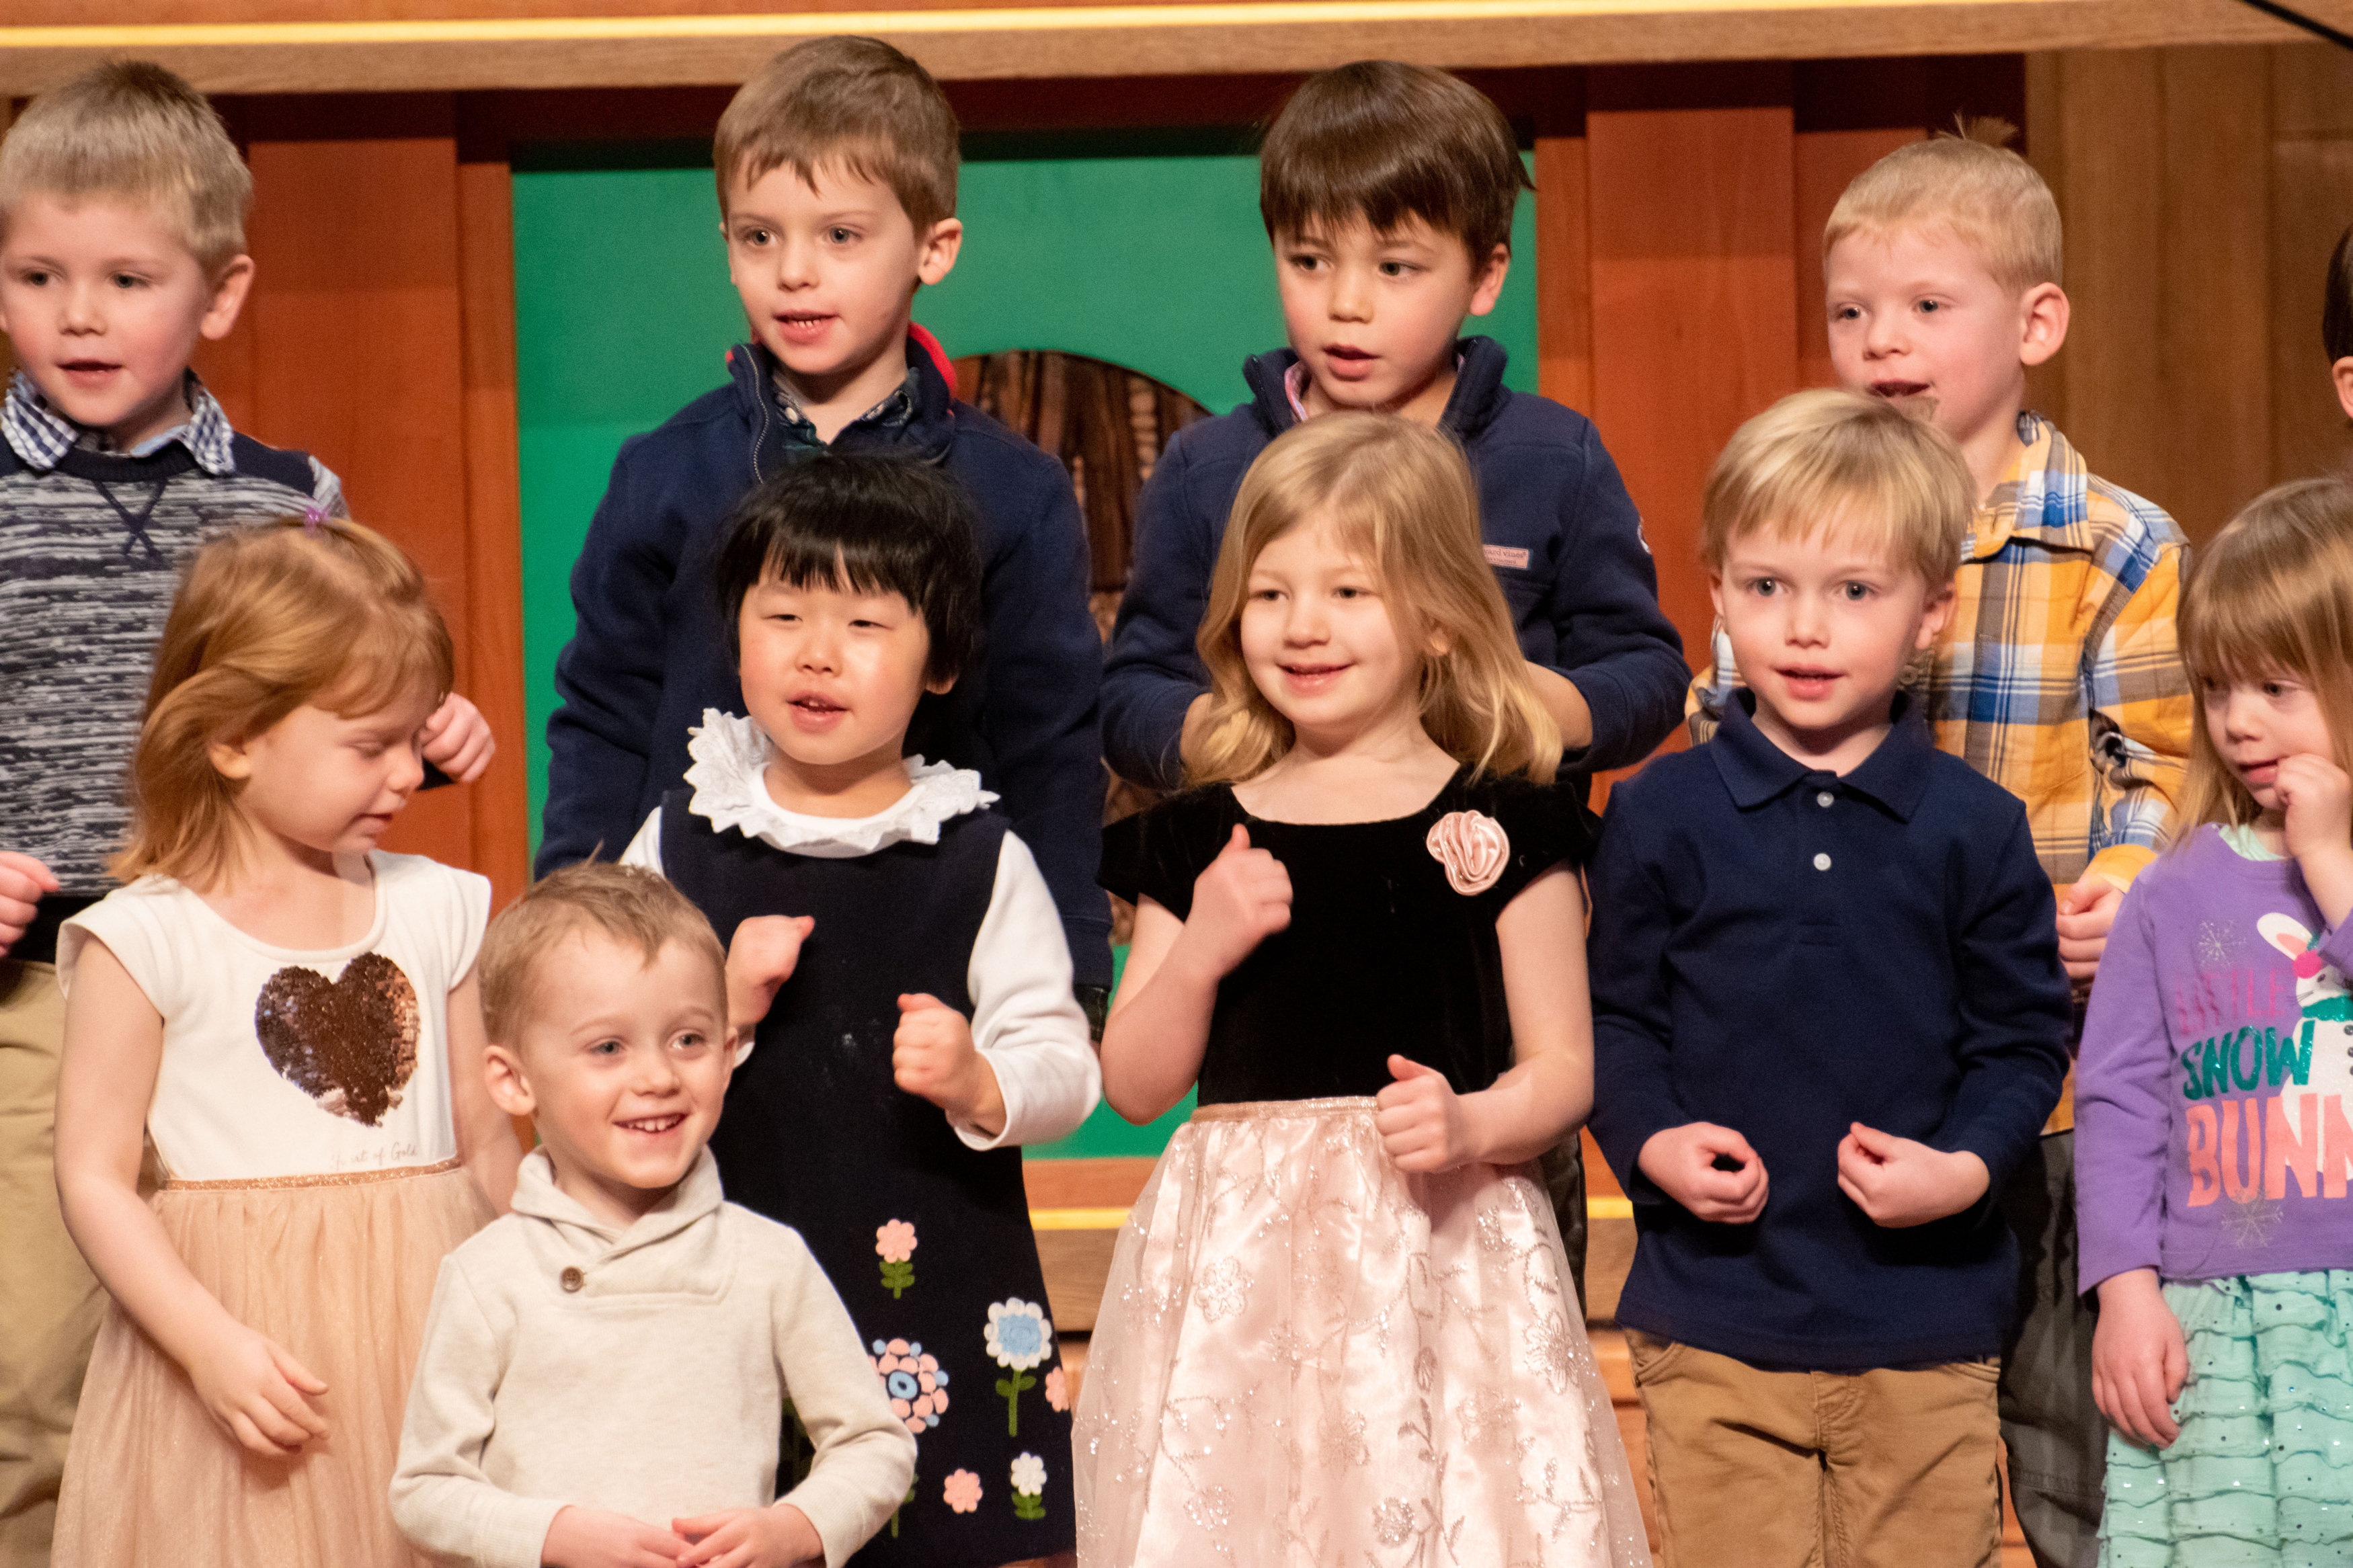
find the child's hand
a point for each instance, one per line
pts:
(932, 1054)
(1241, 901)
(23, 883)
(1899, 1182)
(591, 1538)
(258, 1393)
(1420, 1119)
(771, 1537)
(2087, 912)
(2316, 798)
(458, 740)
(762, 956)
(2139, 1359)
(1687, 1163)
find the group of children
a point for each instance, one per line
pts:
(822, 932)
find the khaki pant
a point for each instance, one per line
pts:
(1817, 1469)
(49, 1303)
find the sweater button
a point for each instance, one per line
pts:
(1821, 862)
(571, 1278)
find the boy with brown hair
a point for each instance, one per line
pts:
(837, 171)
(2058, 675)
(1387, 192)
(122, 207)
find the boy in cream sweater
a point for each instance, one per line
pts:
(605, 1369)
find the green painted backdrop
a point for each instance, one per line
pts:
(623, 313)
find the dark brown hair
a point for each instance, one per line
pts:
(1386, 144)
(857, 102)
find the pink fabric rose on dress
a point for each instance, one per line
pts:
(1473, 849)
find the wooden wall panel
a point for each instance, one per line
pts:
(500, 816)
(1564, 273)
(2312, 203)
(1695, 308)
(1825, 161)
(354, 330)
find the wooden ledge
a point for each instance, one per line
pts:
(1086, 40)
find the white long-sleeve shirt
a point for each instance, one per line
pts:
(1026, 1021)
(641, 1370)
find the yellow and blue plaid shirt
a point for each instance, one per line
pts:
(2058, 677)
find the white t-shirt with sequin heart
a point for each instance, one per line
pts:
(278, 1062)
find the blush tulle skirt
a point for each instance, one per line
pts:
(340, 1271)
(1304, 1358)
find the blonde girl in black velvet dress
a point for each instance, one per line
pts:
(1339, 1327)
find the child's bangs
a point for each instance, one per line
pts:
(851, 561)
(389, 661)
(2247, 622)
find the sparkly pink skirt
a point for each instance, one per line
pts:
(1304, 1358)
(340, 1271)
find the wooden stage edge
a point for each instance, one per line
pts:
(1160, 39)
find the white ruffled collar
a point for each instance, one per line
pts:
(731, 791)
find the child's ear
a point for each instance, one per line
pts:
(230, 284)
(940, 686)
(1487, 286)
(509, 1091)
(1715, 591)
(940, 247)
(231, 756)
(2043, 314)
(2342, 373)
(1933, 617)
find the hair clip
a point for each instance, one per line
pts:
(312, 518)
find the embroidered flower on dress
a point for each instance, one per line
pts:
(1058, 1390)
(1018, 1336)
(962, 1493)
(1393, 1521)
(1473, 849)
(912, 1382)
(728, 777)
(895, 1243)
(1223, 1288)
(1028, 1487)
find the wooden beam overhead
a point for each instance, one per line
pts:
(473, 53)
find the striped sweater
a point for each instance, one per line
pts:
(92, 543)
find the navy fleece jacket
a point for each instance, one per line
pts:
(651, 653)
(1562, 535)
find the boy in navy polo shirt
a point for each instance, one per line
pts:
(837, 166)
(1830, 1019)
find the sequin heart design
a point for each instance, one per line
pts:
(349, 1044)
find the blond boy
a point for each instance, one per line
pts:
(1829, 1021)
(630, 1414)
(2057, 675)
(122, 247)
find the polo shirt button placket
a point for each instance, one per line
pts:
(1825, 799)
(572, 1280)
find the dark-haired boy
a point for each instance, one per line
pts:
(2337, 320)
(1387, 192)
(836, 168)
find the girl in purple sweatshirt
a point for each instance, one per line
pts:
(2214, 1098)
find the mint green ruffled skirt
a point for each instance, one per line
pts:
(2263, 1471)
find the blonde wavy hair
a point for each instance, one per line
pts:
(1400, 497)
(268, 617)
(2269, 595)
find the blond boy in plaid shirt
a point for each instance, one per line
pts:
(2058, 677)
